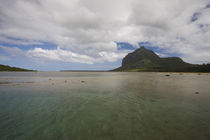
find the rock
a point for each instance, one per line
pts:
(167, 75)
(166, 122)
(196, 92)
(152, 100)
(82, 81)
(5, 82)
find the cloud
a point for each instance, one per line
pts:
(8, 40)
(68, 56)
(62, 55)
(59, 55)
(12, 51)
(86, 30)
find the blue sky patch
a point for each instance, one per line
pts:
(43, 45)
(125, 46)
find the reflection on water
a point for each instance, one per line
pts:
(104, 105)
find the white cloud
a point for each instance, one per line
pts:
(68, 56)
(86, 30)
(4, 39)
(63, 55)
(59, 55)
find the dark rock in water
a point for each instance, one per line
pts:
(196, 92)
(152, 100)
(167, 75)
(83, 81)
(5, 83)
(166, 122)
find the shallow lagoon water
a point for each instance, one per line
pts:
(104, 105)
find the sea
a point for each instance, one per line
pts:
(104, 106)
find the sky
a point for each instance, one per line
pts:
(53, 35)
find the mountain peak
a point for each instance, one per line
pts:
(143, 59)
(142, 47)
(144, 50)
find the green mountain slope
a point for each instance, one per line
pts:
(8, 68)
(143, 59)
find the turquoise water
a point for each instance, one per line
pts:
(104, 105)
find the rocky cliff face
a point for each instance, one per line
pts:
(143, 59)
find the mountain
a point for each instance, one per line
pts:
(8, 68)
(143, 59)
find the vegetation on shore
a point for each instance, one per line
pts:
(8, 68)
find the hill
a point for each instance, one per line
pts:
(8, 68)
(143, 59)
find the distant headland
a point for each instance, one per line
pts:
(146, 60)
(8, 68)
